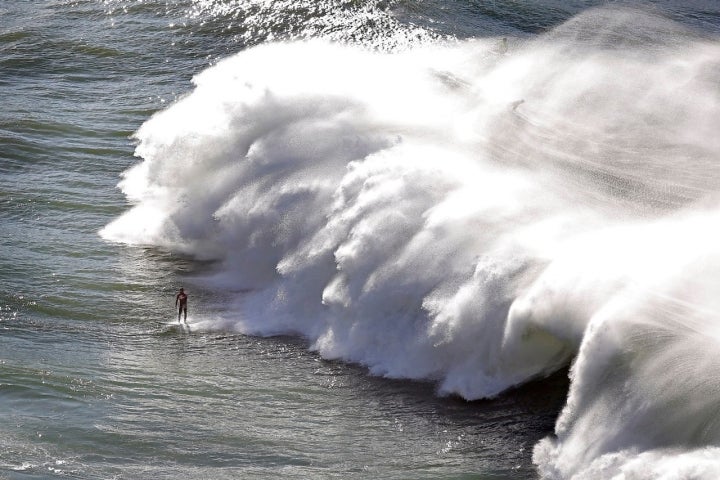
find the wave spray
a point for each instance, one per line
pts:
(474, 214)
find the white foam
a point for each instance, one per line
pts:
(408, 212)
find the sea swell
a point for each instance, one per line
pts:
(475, 213)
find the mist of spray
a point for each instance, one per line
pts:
(471, 215)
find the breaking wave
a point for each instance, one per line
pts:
(476, 213)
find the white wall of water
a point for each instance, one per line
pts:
(471, 216)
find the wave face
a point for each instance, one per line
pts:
(474, 213)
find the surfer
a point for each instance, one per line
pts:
(503, 46)
(181, 299)
(514, 105)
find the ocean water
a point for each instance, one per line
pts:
(422, 239)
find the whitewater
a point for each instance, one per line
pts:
(475, 213)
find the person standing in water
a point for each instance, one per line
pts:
(181, 299)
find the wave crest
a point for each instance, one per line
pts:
(466, 215)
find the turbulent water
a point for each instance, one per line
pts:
(401, 225)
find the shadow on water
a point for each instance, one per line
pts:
(499, 433)
(530, 409)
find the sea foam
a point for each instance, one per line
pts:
(472, 216)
